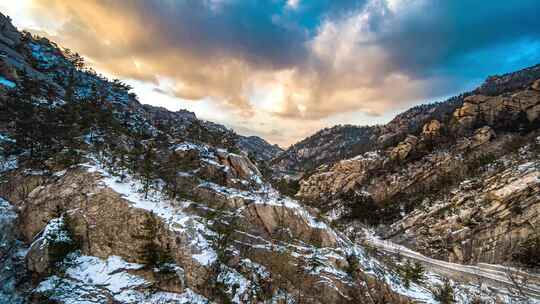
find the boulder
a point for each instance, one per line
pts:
(536, 85)
(431, 129)
(482, 136)
(404, 148)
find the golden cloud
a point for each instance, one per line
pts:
(343, 70)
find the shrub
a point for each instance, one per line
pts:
(286, 186)
(68, 158)
(361, 207)
(353, 265)
(152, 253)
(411, 273)
(444, 293)
(481, 161)
(527, 252)
(61, 239)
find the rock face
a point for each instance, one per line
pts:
(482, 136)
(342, 177)
(481, 220)
(107, 224)
(498, 110)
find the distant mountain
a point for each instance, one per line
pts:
(341, 142)
(258, 147)
(325, 146)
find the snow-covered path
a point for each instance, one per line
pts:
(500, 279)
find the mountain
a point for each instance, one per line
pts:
(462, 184)
(340, 142)
(258, 147)
(330, 145)
(107, 200)
(325, 146)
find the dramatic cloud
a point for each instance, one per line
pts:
(296, 64)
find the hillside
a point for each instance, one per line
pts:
(461, 185)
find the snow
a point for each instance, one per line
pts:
(53, 233)
(8, 215)
(371, 155)
(497, 280)
(187, 297)
(258, 270)
(8, 164)
(171, 213)
(109, 273)
(237, 285)
(187, 146)
(7, 83)
(6, 138)
(90, 279)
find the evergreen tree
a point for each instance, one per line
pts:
(148, 169)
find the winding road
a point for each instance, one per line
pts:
(500, 278)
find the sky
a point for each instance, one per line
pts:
(283, 69)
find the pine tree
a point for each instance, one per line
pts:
(152, 253)
(148, 169)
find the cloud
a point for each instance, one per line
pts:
(299, 61)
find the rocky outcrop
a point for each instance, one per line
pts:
(341, 177)
(482, 220)
(431, 129)
(482, 136)
(107, 223)
(536, 85)
(241, 166)
(216, 165)
(404, 148)
(499, 110)
(496, 85)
